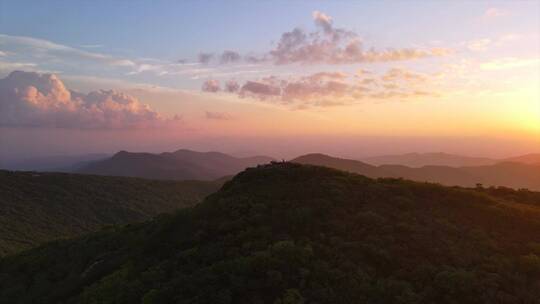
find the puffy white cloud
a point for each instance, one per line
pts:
(326, 45)
(331, 45)
(323, 20)
(42, 100)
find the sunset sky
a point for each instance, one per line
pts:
(275, 77)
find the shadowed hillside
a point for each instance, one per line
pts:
(58, 163)
(39, 207)
(178, 165)
(508, 174)
(343, 238)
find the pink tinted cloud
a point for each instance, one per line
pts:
(327, 44)
(331, 45)
(211, 85)
(218, 115)
(42, 100)
(336, 88)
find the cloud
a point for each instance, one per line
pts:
(211, 85)
(397, 74)
(325, 89)
(509, 63)
(331, 45)
(92, 46)
(29, 99)
(326, 45)
(479, 45)
(10, 66)
(205, 57)
(323, 20)
(218, 115)
(230, 57)
(50, 56)
(262, 89)
(494, 12)
(232, 86)
(45, 49)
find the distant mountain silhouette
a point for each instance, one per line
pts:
(56, 163)
(179, 165)
(532, 158)
(445, 159)
(508, 174)
(342, 164)
(429, 159)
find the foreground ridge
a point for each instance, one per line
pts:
(291, 233)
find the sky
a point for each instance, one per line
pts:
(351, 78)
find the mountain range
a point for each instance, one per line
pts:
(447, 169)
(509, 174)
(290, 233)
(446, 159)
(179, 165)
(56, 163)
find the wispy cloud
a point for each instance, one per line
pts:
(479, 45)
(509, 63)
(494, 12)
(329, 88)
(92, 46)
(10, 66)
(218, 115)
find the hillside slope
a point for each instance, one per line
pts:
(532, 158)
(429, 159)
(508, 174)
(38, 207)
(289, 233)
(417, 160)
(178, 165)
(58, 163)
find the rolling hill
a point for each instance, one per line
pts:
(509, 174)
(178, 165)
(429, 159)
(57, 163)
(39, 207)
(532, 158)
(445, 159)
(343, 238)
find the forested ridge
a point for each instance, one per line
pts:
(291, 233)
(36, 207)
